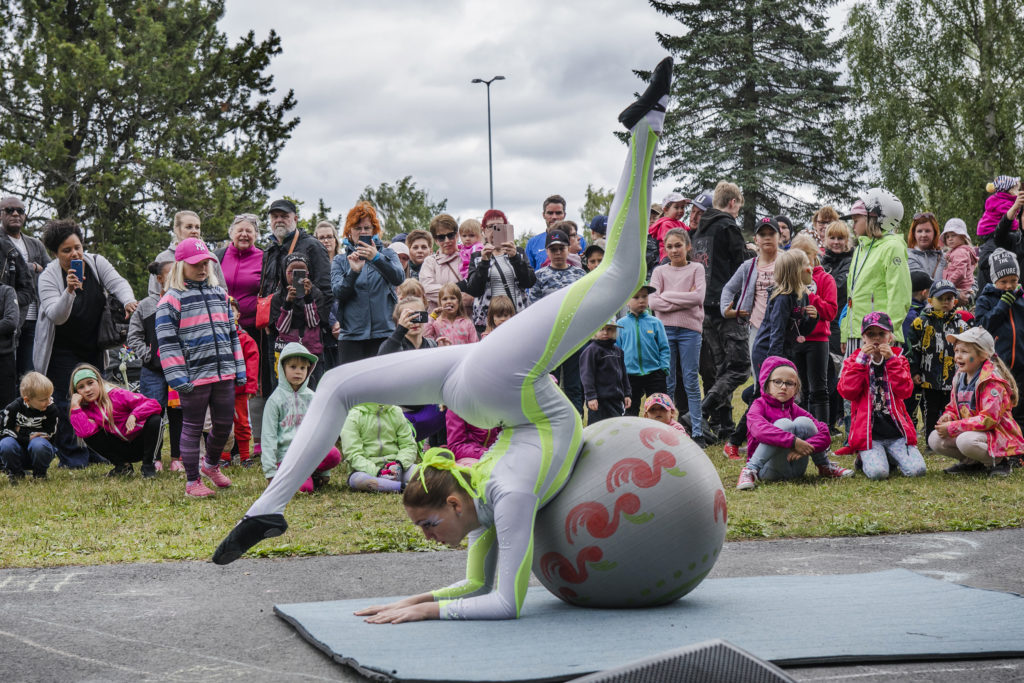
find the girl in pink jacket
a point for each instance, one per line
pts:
(961, 258)
(122, 426)
(1004, 191)
(466, 442)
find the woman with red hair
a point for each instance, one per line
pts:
(923, 251)
(364, 275)
(497, 270)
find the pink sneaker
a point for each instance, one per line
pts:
(215, 475)
(197, 489)
(307, 486)
(747, 480)
(732, 451)
(176, 466)
(158, 465)
(834, 471)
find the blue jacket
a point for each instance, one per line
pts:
(644, 343)
(366, 299)
(1005, 323)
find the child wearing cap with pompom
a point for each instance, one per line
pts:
(977, 427)
(876, 380)
(603, 374)
(961, 258)
(930, 355)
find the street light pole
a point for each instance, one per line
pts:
(490, 162)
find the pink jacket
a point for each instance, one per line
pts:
(458, 331)
(660, 227)
(960, 264)
(765, 410)
(992, 414)
(466, 252)
(88, 419)
(465, 440)
(996, 207)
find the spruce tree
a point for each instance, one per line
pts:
(757, 100)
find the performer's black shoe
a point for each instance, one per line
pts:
(246, 534)
(661, 80)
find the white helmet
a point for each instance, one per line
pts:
(884, 205)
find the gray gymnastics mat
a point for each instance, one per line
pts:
(788, 620)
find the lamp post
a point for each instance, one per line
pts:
(490, 163)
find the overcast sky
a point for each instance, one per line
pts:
(384, 91)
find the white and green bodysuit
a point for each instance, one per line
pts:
(503, 380)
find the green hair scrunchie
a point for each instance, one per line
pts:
(444, 459)
(84, 373)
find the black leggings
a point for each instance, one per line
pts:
(175, 418)
(812, 361)
(142, 448)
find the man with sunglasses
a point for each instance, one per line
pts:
(23, 257)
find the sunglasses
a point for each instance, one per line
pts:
(14, 210)
(444, 237)
(926, 216)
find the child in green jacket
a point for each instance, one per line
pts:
(284, 411)
(379, 446)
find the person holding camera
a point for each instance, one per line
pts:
(363, 278)
(296, 312)
(71, 303)
(499, 269)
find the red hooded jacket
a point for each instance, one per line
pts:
(855, 386)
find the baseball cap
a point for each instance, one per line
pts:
(192, 251)
(859, 208)
(591, 248)
(599, 225)
(282, 205)
(657, 209)
(876, 319)
(940, 287)
(659, 399)
(400, 237)
(767, 222)
(672, 198)
(611, 323)
(978, 336)
(399, 248)
(646, 288)
(702, 201)
(556, 237)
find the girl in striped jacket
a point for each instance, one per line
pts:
(201, 358)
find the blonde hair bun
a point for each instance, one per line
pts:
(991, 187)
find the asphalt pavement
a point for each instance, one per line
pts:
(195, 621)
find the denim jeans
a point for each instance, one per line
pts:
(153, 385)
(36, 456)
(684, 346)
(772, 463)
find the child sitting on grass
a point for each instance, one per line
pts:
(283, 414)
(659, 407)
(977, 426)
(28, 425)
(876, 381)
(379, 446)
(1000, 310)
(931, 356)
(603, 375)
(780, 434)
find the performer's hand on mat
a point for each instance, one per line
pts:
(404, 602)
(420, 612)
(592, 405)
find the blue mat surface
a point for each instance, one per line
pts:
(789, 620)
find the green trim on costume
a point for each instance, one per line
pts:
(523, 573)
(475, 572)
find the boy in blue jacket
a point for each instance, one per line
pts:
(645, 346)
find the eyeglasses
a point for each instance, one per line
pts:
(926, 216)
(363, 228)
(14, 210)
(783, 383)
(444, 237)
(326, 238)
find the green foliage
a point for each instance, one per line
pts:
(757, 101)
(402, 207)
(119, 113)
(598, 202)
(939, 103)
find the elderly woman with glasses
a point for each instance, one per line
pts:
(363, 279)
(443, 266)
(242, 262)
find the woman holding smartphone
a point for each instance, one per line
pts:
(364, 275)
(500, 269)
(71, 302)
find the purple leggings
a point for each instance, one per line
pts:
(219, 397)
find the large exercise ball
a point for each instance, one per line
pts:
(640, 522)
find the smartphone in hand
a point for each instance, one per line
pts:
(501, 233)
(298, 275)
(365, 239)
(420, 317)
(78, 268)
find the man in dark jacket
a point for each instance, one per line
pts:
(290, 239)
(725, 357)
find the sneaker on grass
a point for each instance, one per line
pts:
(966, 467)
(747, 480)
(834, 471)
(197, 489)
(215, 475)
(732, 451)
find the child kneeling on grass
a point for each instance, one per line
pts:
(876, 380)
(379, 446)
(284, 411)
(977, 426)
(780, 434)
